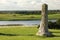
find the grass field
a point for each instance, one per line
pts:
(25, 33)
(26, 17)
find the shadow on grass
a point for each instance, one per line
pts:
(8, 34)
(3, 34)
(57, 36)
(55, 32)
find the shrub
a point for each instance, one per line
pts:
(53, 25)
(58, 22)
(38, 26)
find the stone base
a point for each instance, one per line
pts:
(47, 34)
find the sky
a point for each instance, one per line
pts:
(28, 4)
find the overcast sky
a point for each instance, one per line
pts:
(28, 4)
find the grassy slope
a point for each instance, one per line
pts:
(18, 17)
(25, 17)
(25, 33)
(54, 16)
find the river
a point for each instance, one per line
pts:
(23, 22)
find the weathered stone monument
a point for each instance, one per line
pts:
(43, 29)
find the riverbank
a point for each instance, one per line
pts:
(15, 26)
(19, 17)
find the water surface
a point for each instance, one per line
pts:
(23, 22)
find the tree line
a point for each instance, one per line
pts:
(30, 12)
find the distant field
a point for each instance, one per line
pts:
(25, 33)
(26, 17)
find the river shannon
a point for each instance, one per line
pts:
(23, 22)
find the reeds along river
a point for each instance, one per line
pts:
(22, 22)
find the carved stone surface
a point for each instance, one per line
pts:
(43, 29)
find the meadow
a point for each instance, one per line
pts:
(18, 17)
(26, 33)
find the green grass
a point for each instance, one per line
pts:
(25, 33)
(54, 16)
(18, 17)
(26, 17)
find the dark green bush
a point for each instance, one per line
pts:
(54, 25)
(58, 22)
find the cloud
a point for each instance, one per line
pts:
(20, 4)
(3, 1)
(53, 4)
(33, 2)
(28, 4)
